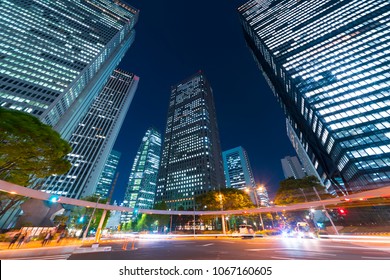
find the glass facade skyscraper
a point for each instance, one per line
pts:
(327, 62)
(56, 56)
(94, 138)
(237, 169)
(106, 178)
(292, 168)
(191, 162)
(141, 189)
(304, 159)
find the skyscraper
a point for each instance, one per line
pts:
(106, 178)
(94, 138)
(141, 190)
(327, 63)
(238, 174)
(292, 168)
(263, 197)
(308, 167)
(191, 162)
(56, 56)
(238, 171)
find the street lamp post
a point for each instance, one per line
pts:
(90, 219)
(222, 216)
(170, 225)
(194, 219)
(257, 204)
(272, 216)
(103, 217)
(326, 212)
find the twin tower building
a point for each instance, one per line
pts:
(326, 61)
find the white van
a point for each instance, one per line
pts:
(246, 231)
(303, 230)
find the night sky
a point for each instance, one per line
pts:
(175, 39)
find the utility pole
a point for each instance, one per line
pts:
(90, 219)
(326, 212)
(257, 203)
(170, 226)
(222, 216)
(194, 217)
(99, 230)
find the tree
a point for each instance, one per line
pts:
(153, 221)
(226, 199)
(160, 220)
(97, 215)
(296, 191)
(299, 190)
(80, 216)
(29, 150)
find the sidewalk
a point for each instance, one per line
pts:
(364, 230)
(53, 243)
(35, 250)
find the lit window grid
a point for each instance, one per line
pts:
(27, 59)
(141, 189)
(92, 134)
(368, 73)
(238, 173)
(106, 178)
(188, 120)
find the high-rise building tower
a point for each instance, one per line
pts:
(292, 168)
(327, 63)
(263, 197)
(308, 167)
(238, 175)
(56, 56)
(94, 138)
(191, 162)
(141, 190)
(106, 178)
(237, 168)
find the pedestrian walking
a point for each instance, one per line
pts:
(62, 235)
(46, 240)
(13, 240)
(21, 241)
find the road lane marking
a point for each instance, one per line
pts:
(307, 252)
(208, 244)
(377, 258)
(319, 253)
(357, 247)
(281, 258)
(271, 249)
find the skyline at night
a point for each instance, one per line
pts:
(195, 139)
(165, 52)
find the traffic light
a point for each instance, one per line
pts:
(342, 211)
(54, 198)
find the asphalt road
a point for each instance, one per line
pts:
(240, 249)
